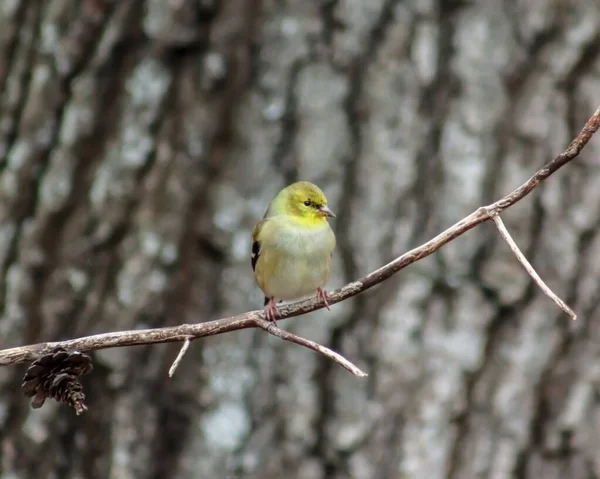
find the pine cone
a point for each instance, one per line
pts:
(56, 375)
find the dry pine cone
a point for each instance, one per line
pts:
(57, 375)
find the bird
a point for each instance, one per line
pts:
(292, 246)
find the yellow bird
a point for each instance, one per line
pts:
(292, 246)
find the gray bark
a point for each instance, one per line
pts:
(139, 143)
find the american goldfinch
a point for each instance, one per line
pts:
(292, 246)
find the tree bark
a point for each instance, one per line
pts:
(141, 140)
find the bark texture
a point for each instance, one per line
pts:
(140, 141)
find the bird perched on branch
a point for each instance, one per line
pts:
(292, 246)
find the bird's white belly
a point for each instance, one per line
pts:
(303, 265)
(297, 277)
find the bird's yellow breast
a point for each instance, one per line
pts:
(295, 257)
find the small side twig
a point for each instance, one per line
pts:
(287, 336)
(527, 265)
(182, 351)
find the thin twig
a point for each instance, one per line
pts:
(182, 351)
(249, 320)
(287, 336)
(527, 265)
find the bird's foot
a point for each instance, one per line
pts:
(323, 296)
(271, 311)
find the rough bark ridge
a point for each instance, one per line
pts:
(140, 141)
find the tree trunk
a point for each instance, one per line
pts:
(141, 140)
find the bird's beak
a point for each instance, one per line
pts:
(325, 211)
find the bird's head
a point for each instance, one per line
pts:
(303, 200)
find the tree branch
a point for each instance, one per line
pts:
(527, 265)
(253, 319)
(287, 336)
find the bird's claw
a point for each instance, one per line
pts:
(271, 312)
(323, 296)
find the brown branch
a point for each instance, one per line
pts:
(253, 319)
(527, 265)
(287, 336)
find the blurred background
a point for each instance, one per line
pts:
(140, 140)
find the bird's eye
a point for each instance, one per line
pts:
(307, 203)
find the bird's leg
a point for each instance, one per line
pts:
(322, 295)
(271, 310)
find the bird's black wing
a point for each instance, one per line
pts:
(256, 244)
(254, 259)
(255, 253)
(256, 249)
